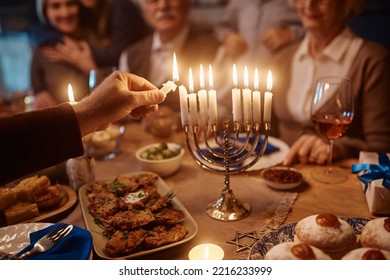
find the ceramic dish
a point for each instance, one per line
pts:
(282, 178)
(286, 234)
(99, 240)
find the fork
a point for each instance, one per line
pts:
(49, 240)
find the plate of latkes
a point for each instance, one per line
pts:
(133, 215)
(286, 234)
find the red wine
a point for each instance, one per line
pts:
(331, 126)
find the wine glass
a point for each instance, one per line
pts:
(331, 112)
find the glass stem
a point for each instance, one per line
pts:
(330, 153)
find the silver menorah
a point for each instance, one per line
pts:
(232, 152)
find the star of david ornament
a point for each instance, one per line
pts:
(239, 239)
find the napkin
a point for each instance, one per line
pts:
(268, 150)
(76, 245)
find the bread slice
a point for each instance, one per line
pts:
(20, 212)
(7, 197)
(31, 187)
(51, 197)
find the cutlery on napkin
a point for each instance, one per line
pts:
(76, 245)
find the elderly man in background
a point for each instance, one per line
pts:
(152, 57)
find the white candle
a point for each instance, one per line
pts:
(206, 251)
(170, 85)
(236, 98)
(202, 96)
(70, 94)
(183, 105)
(256, 99)
(192, 99)
(212, 99)
(268, 99)
(247, 98)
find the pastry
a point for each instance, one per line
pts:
(376, 234)
(366, 253)
(327, 232)
(295, 251)
(20, 212)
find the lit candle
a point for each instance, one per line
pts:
(71, 95)
(192, 100)
(202, 95)
(256, 99)
(183, 105)
(236, 98)
(206, 251)
(247, 98)
(170, 85)
(212, 99)
(268, 99)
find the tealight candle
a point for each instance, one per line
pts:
(170, 85)
(268, 99)
(247, 98)
(256, 99)
(212, 99)
(206, 251)
(236, 98)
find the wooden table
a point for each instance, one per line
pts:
(195, 187)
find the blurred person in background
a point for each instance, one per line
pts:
(330, 48)
(152, 57)
(50, 76)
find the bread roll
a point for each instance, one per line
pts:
(7, 197)
(332, 235)
(376, 234)
(366, 253)
(20, 212)
(295, 251)
(31, 187)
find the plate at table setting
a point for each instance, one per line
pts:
(99, 240)
(267, 160)
(16, 237)
(285, 233)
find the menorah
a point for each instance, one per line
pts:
(236, 149)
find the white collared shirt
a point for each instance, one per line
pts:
(335, 60)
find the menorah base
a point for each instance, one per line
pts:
(228, 208)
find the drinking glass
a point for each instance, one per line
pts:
(331, 112)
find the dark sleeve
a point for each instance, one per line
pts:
(127, 26)
(38, 139)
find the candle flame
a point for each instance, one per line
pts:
(211, 79)
(246, 78)
(256, 79)
(269, 81)
(175, 70)
(201, 77)
(190, 80)
(206, 252)
(70, 93)
(235, 76)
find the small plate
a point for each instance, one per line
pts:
(282, 178)
(286, 234)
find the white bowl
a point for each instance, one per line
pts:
(163, 167)
(282, 178)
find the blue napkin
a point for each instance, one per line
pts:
(268, 150)
(76, 245)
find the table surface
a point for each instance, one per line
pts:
(195, 187)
